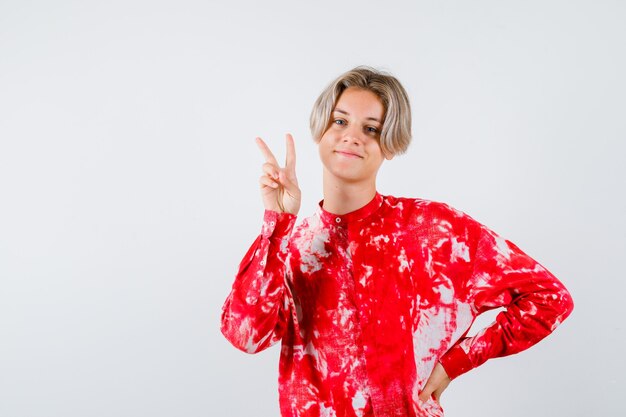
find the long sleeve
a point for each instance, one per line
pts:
(256, 311)
(502, 275)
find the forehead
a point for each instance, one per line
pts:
(361, 103)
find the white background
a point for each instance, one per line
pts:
(129, 193)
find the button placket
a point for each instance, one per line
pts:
(357, 293)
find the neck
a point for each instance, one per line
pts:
(342, 197)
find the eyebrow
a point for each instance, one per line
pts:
(348, 114)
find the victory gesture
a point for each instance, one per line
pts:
(279, 186)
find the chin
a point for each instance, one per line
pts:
(346, 176)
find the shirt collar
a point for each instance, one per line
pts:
(356, 215)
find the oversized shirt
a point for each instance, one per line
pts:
(367, 303)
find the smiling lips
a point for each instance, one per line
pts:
(349, 154)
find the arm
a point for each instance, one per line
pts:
(504, 276)
(255, 313)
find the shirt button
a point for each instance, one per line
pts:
(338, 219)
(272, 224)
(262, 262)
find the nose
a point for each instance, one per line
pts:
(353, 135)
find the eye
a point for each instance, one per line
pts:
(372, 129)
(339, 121)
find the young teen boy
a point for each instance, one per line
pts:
(373, 295)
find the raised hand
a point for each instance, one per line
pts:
(279, 186)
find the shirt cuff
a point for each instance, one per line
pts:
(276, 224)
(456, 362)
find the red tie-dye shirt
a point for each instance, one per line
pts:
(366, 303)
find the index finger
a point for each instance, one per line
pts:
(290, 162)
(269, 156)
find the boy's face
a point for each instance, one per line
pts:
(350, 148)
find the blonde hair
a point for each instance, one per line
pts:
(395, 136)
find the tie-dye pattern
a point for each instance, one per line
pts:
(366, 304)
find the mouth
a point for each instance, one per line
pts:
(349, 154)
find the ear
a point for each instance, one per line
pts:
(388, 157)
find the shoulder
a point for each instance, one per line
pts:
(423, 207)
(436, 215)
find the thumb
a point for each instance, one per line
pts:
(290, 186)
(427, 391)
